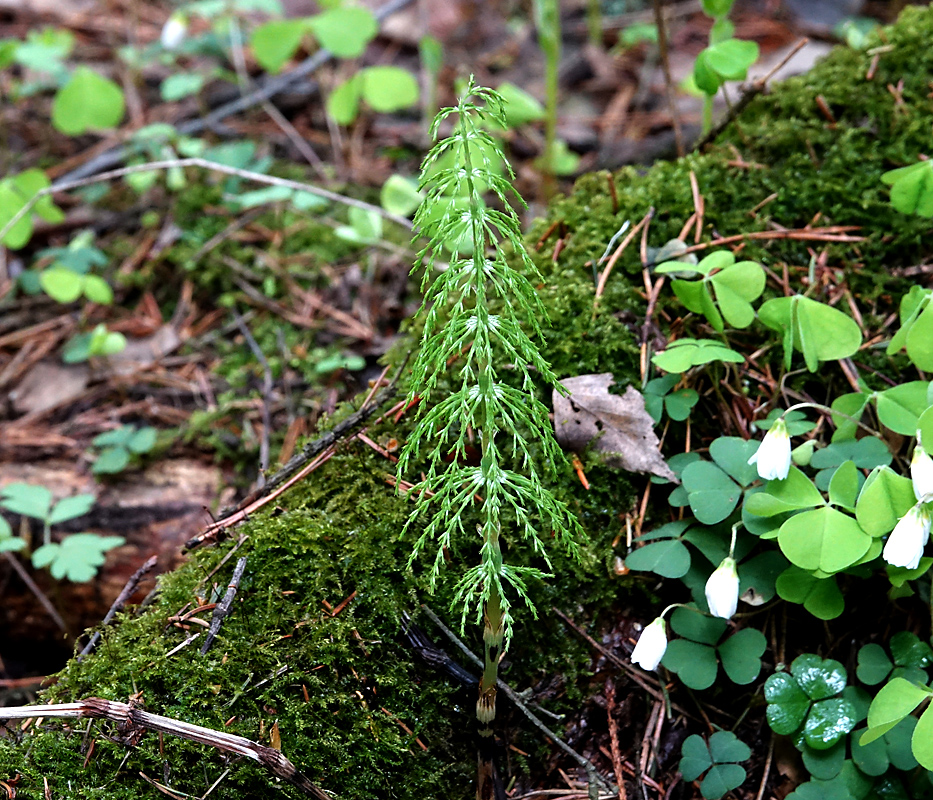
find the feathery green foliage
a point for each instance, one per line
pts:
(506, 422)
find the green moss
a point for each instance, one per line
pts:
(340, 531)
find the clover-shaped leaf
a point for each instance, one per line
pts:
(733, 284)
(667, 556)
(916, 331)
(712, 494)
(26, 499)
(820, 596)
(15, 193)
(807, 702)
(77, 557)
(896, 700)
(909, 658)
(88, 101)
(684, 353)
(866, 453)
(741, 655)
(823, 539)
(892, 749)
(819, 331)
(720, 757)
(912, 188)
(884, 499)
(795, 492)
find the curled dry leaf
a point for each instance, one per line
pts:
(614, 424)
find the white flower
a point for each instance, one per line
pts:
(649, 650)
(174, 30)
(904, 547)
(921, 471)
(722, 589)
(773, 454)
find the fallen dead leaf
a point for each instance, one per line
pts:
(616, 425)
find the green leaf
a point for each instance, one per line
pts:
(400, 195)
(111, 461)
(741, 656)
(679, 404)
(912, 188)
(819, 331)
(695, 757)
(71, 507)
(900, 406)
(143, 440)
(706, 78)
(844, 486)
(873, 664)
(820, 678)
(787, 703)
(45, 555)
(693, 624)
(520, 107)
(97, 290)
(62, 285)
(921, 742)
(852, 405)
(26, 499)
(669, 559)
(820, 596)
(824, 764)
(761, 573)
(898, 741)
(896, 700)
(343, 103)
(908, 651)
(823, 539)
(16, 192)
(731, 58)
(870, 758)
(722, 779)
(827, 722)
(717, 8)
(87, 102)
(388, 89)
(712, 494)
(183, 84)
(796, 491)
(694, 663)
(275, 43)
(685, 353)
(345, 31)
(732, 454)
(884, 499)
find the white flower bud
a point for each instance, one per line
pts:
(722, 589)
(174, 31)
(773, 454)
(921, 471)
(649, 650)
(904, 547)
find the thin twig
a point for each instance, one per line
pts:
(601, 285)
(131, 717)
(31, 584)
(223, 607)
(203, 163)
(266, 397)
(118, 604)
(668, 82)
(591, 771)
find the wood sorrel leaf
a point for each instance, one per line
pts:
(824, 539)
(819, 331)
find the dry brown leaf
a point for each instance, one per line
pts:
(617, 425)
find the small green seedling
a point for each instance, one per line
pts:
(910, 658)
(69, 277)
(718, 758)
(384, 89)
(78, 556)
(15, 193)
(660, 399)
(365, 227)
(684, 353)
(916, 332)
(97, 343)
(118, 446)
(807, 703)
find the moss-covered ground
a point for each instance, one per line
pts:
(337, 686)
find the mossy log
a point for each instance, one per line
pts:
(341, 691)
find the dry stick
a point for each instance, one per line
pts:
(152, 166)
(831, 233)
(591, 771)
(223, 607)
(269, 89)
(31, 584)
(767, 771)
(118, 604)
(130, 717)
(747, 96)
(256, 350)
(614, 737)
(666, 67)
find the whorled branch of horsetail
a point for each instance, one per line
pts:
(473, 336)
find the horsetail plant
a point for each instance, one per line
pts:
(475, 314)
